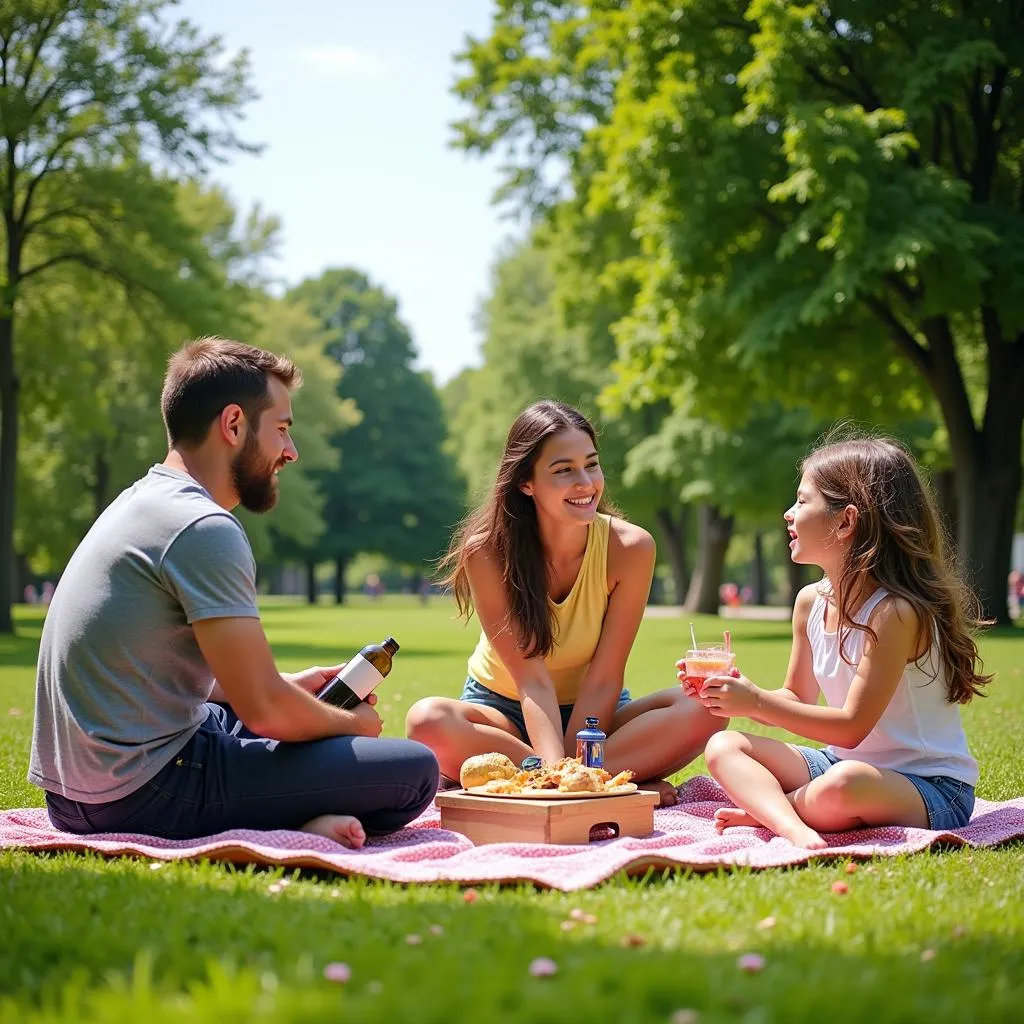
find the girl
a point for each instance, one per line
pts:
(887, 637)
(560, 588)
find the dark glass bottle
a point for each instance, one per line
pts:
(361, 675)
(590, 744)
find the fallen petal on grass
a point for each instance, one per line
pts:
(413, 940)
(567, 926)
(275, 887)
(765, 923)
(840, 888)
(851, 868)
(437, 929)
(927, 954)
(751, 963)
(14, 712)
(157, 865)
(471, 895)
(543, 967)
(576, 914)
(338, 972)
(684, 1017)
(633, 940)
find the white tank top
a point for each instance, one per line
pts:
(920, 731)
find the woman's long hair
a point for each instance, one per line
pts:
(898, 539)
(506, 524)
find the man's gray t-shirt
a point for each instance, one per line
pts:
(121, 684)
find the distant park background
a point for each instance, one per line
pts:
(740, 224)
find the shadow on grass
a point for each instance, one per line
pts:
(213, 943)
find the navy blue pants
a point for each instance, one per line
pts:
(226, 777)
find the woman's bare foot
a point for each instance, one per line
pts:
(665, 790)
(730, 817)
(342, 828)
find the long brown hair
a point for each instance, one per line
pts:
(506, 524)
(899, 540)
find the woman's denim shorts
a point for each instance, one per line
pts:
(476, 693)
(949, 801)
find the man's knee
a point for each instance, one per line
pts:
(421, 768)
(429, 720)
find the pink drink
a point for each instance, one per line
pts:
(707, 660)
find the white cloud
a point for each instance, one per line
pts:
(343, 61)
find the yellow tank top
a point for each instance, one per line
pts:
(577, 626)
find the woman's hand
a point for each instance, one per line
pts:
(730, 696)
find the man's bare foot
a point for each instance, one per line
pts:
(665, 790)
(342, 828)
(730, 817)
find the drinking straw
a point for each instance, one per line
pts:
(728, 642)
(693, 637)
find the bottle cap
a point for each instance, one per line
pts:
(592, 721)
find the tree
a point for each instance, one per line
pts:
(396, 492)
(815, 189)
(93, 93)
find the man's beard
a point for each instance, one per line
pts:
(253, 477)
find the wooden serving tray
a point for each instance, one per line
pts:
(486, 819)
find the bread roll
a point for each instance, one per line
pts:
(481, 769)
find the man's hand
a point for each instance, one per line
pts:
(730, 696)
(367, 720)
(312, 680)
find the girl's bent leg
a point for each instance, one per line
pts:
(852, 794)
(457, 729)
(757, 773)
(656, 735)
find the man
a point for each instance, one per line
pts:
(155, 616)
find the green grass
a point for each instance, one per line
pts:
(936, 937)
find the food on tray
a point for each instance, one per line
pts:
(569, 775)
(484, 768)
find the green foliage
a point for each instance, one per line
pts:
(817, 204)
(105, 105)
(396, 491)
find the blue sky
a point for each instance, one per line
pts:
(354, 108)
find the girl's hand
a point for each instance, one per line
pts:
(733, 696)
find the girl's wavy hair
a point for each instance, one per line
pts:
(506, 524)
(900, 541)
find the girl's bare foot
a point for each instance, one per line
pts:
(665, 790)
(805, 837)
(342, 828)
(730, 817)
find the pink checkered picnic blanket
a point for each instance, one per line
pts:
(684, 836)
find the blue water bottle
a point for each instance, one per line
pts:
(590, 744)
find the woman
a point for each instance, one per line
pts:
(560, 588)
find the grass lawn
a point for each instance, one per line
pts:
(932, 937)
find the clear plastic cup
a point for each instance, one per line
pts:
(706, 660)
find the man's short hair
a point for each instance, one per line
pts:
(208, 374)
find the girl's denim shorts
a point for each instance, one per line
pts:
(949, 801)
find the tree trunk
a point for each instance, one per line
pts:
(759, 574)
(715, 531)
(311, 589)
(944, 486)
(8, 461)
(339, 580)
(987, 461)
(673, 531)
(988, 488)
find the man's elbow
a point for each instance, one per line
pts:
(263, 715)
